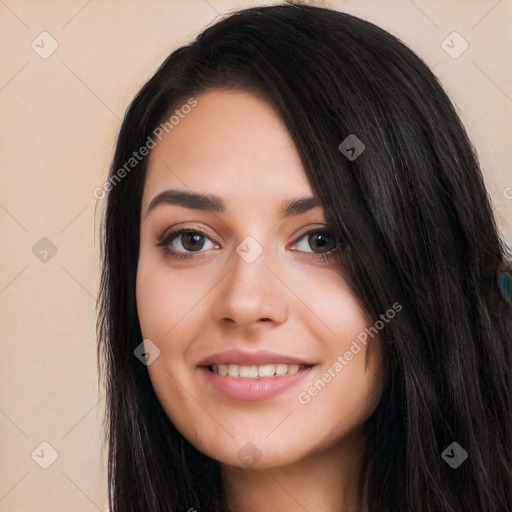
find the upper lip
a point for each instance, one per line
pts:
(237, 356)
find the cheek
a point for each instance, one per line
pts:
(167, 316)
(343, 394)
(165, 298)
(153, 294)
(333, 308)
(347, 385)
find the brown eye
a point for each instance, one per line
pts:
(192, 240)
(321, 241)
(182, 243)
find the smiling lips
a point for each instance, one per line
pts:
(258, 375)
(256, 371)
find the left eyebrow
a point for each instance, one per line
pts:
(298, 206)
(216, 204)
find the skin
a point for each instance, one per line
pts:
(234, 145)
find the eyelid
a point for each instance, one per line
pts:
(172, 233)
(173, 230)
(321, 228)
(309, 229)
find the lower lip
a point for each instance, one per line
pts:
(242, 388)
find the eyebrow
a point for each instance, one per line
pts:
(215, 204)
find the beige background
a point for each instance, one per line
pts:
(59, 118)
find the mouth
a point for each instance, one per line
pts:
(249, 377)
(252, 375)
(256, 371)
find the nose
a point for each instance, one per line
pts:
(251, 296)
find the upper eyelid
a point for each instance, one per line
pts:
(172, 234)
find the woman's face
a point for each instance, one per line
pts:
(246, 293)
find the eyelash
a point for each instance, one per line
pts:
(169, 237)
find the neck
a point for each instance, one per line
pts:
(326, 481)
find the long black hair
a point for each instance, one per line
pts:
(417, 227)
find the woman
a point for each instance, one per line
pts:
(304, 294)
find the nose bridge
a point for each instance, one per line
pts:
(250, 292)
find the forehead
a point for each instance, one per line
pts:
(229, 141)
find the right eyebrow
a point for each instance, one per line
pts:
(191, 200)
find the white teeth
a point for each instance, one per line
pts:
(266, 370)
(293, 368)
(248, 371)
(254, 371)
(281, 369)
